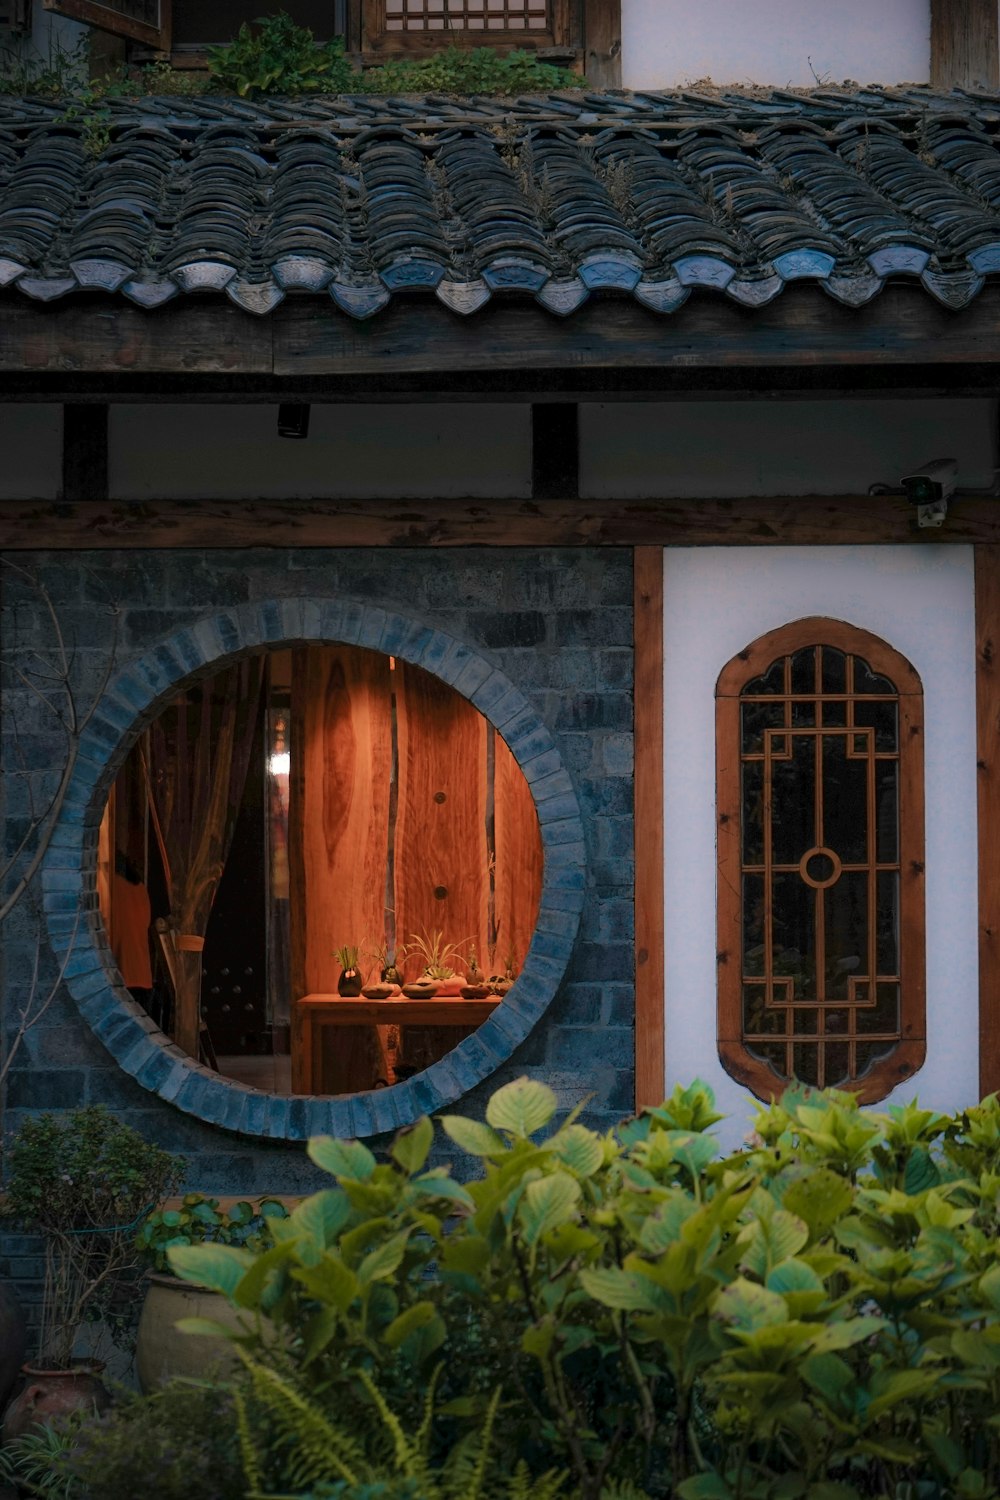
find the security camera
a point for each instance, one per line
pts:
(930, 488)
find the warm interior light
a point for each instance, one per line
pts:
(278, 765)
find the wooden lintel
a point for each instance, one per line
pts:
(307, 339)
(846, 520)
(965, 44)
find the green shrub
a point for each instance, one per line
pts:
(274, 56)
(814, 1318)
(177, 1444)
(199, 1220)
(470, 70)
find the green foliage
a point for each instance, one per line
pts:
(38, 1462)
(816, 1317)
(274, 56)
(319, 1457)
(200, 1220)
(470, 70)
(176, 1444)
(84, 1180)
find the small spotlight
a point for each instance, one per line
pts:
(293, 419)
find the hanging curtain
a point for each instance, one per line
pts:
(196, 767)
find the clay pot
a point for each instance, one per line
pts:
(13, 1340)
(475, 991)
(163, 1351)
(350, 982)
(378, 991)
(420, 990)
(54, 1393)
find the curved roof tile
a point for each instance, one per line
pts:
(555, 198)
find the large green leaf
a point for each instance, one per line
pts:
(250, 1290)
(580, 1149)
(547, 1203)
(794, 1276)
(322, 1216)
(408, 1322)
(704, 1487)
(438, 1184)
(819, 1199)
(473, 1137)
(745, 1307)
(521, 1107)
(663, 1228)
(767, 1242)
(616, 1288)
(350, 1159)
(330, 1281)
(384, 1259)
(412, 1146)
(219, 1267)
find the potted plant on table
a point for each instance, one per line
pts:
(349, 959)
(439, 959)
(83, 1181)
(162, 1350)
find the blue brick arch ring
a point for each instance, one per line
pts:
(69, 872)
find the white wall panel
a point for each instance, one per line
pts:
(920, 600)
(671, 43)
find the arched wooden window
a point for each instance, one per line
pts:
(821, 862)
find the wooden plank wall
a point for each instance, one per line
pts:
(964, 44)
(341, 749)
(518, 873)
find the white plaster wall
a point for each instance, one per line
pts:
(30, 452)
(730, 448)
(919, 599)
(671, 43)
(234, 452)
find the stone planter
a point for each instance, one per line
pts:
(163, 1351)
(54, 1393)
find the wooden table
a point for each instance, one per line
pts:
(339, 1010)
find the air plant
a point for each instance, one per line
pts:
(435, 953)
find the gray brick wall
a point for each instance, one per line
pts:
(558, 623)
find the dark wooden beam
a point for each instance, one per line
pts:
(620, 384)
(306, 339)
(85, 451)
(965, 44)
(846, 520)
(555, 451)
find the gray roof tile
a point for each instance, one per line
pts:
(556, 198)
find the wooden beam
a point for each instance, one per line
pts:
(847, 520)
(308, 339)
(988, 762)
(85, 452)
(555, 451)
(648, 728)
(965, 44)
(602, 56)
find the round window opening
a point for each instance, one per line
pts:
(319, 870)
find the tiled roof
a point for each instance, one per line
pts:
(555, 197)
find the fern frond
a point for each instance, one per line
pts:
(317, 1450)
(249, 1457)
(423, 1439)
(622, 1489)
(404, 1452)
(467, 1464)
(548, 1486)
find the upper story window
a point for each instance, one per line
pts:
(821, 862)
(373, 30)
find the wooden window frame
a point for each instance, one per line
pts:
(586, 33)
(908, 1054)
(103, 15)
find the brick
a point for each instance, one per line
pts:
(46, 1088)
(499, 628)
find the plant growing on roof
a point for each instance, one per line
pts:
(274, 56)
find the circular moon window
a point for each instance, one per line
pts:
(319, 870)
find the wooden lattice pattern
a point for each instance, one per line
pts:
(819, 889)
(466, 15)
